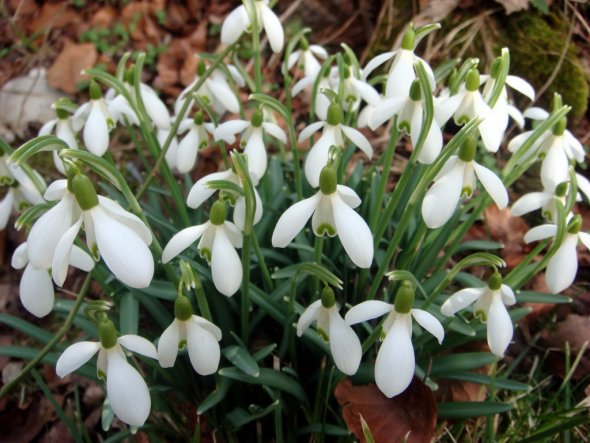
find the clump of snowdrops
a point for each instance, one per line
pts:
(240, 310)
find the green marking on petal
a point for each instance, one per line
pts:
(481, 315)
(206, 254)
(324, 229)
(323, 334)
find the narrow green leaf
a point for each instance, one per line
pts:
(479, 245)
(324, 428)
(242, 360)
(239, 417)
(31, 330)
(311, 268)
(541, 297)
(468, 409)
(449, 364)
(483, 379)
(129, 314)
(272, 103)
(161, 289)
(224, 185)
(564, 425)
(36, 145)
(262, 353)
(216, 396)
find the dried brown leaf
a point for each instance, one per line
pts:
(507, 230)
(574, 329)
(511, 6)
(411, 413)
(65, 72)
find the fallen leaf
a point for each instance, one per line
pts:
(574, 329)
(65, 72)
(508, 230)
(411, 413)
(104, 17)
(57, 433)
(53, 15)
(435, 10)
(511, 6)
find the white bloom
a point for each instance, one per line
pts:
(62, 126)
(307, 58)
(490, 307)
(127, 391)
(172, 151)
(154, 106)
(321, 104)
(333, 214)
(563, 266)
(344, 344)
(184, 155)
(395, 364)
(333, 134)
(200, 337)
(238, 21)
(219, 238)
(457, 179)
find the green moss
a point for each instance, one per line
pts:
(536, 43)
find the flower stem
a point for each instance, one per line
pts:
(202, 299)
(265, 272)
(54, 341)
(255, 46)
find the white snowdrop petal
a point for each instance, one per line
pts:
(535, 113)
(119, 107)
(540, 233)
(293, 58)
(75, 356)
(530, 202)
(309, 130)
(317, 157)
(293, 220)
(401, 74)
(20, 257)
(80, 116)
(6, 205)
(555, 168)
(515, 144)
(81, 259)
(319, 51)
(36, 291)
(348, 196)
(234, 25)
(492, 128)
(386, 109)
(96, 131)
(516, 115)
(309, 315)
(395, 364)
(127, 218)
(432, 145)
(344, 344)
(584, 238)
(576, 147)
(182, 240)
(583, 185)
(187, 152)
(127, 392)
(355, 235)
(358, 139)
(226, 96)
(226, 267)
(155, 107)
(563, 266)
(375, 62)
(272, 26)
(367, 310)
(276, 131)
(47, 128)
(442, 198)
(168, 345)
(460, 300)
(256, 152)
(500, 329)
(63, 251)
(203, 349)
(507, 293)
(208, 326)
(492, 184)
(430, 323)
(230, 128)
(366, 91)
(139, 345)
(301, 84)
(521, 85)
(201, 192)
(445, 108)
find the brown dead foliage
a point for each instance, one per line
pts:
(65, 72)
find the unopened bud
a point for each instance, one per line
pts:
(328, 181)
(404, 300)
(328, 298)
(182, 308)
(217, 213)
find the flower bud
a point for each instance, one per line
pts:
(84, 191)
(257, 118)
(61, 114)
(404, 300)
(415, 91)
(468, 150)
(495, 281)
(107, 334)
(561, 189)
(182, 308)
(328, 298)
(328, 181)
(409, 39)
(472, 80)
(198, 118)
(575, 225)
(94, 90)
(217, 213)
(201, 68)
(335, 114)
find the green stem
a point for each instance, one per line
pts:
(265, 272)
(62, 331)
(256, 46)
(202, 299)
(318, 250)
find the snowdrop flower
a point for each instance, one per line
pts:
(345, 346)
(36, 290)
(21, 192)
(253, 138)
(238, 21)
(200, 192)
(154, 106)
(332, 135)
(332, 210)
(120, 237)
(307, 58)
(457, 179)
(563, 266)
(199, 335)
(127, 391)
(395, 364)
(219, 238)
(401, 73)
(215, 91)
(322, 102)
(172, 151)
(410, 112)
(184, 155)
(62, 126)
(490, 307)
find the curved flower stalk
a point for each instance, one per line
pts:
(410, 112)
(215, 91)
(200, 192)
(36, 289)
(401, 73)
(563, 266)
(238, 21)
(333, 214)
(489, 305)
(98, 117)
(395, 364)
(253, 132)
(199, 335)
(333, 134)
(127, 391)
(457, 179)
(219, 238)
(21, 192)
(63, 129)
(184, 155)
(345, 346)
(307, 57)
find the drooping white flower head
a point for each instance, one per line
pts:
(563, 266)
(252, 138)
(333, 134)
(344, 344)
(322, 102)
(307, 57)
(127, 391)
(22, 191)
(238, 21)
(183, 156)
(215, 91)
(219, 238)
(63, 129)
(200, 192)
(36, 290)
(489, 305)
(395, 364)
(457, 179)
(199, 335)
(333, 214)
